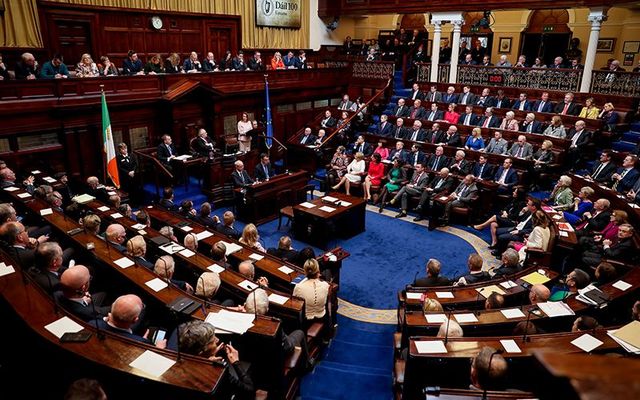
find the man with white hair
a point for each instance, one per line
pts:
(240, 176)
(27, 67)
(116, 235)
(203, 145)
(165, 267)
(191, 241)
(503, 63)
(567, 106)
(521, 149)
(247, 269)
(441, 184)
(580, 139)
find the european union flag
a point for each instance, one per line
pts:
(269, 132)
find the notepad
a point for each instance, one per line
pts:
(535, 278)
(586, 342)
(186, 228)
(430, 346)
(444, 295)
(512, 313)
(6, 269)
(48, 179)
(630, 333)
(186, 253)
(83, 198)
(466, 317)
(236, 322)
(247, 285)
(414, 295)
(63, 325)
(123, 262)
(24, 195)
(487, 290)
(563, 234)
(46, 211)
(183, 157)
(142, 232)
(156, 284)
(330, 199)
(231, 248)
(622, 285)
(306, 204)
(215, 268)
(11, 189)
(327, 209)
(435, 318)
(203, 235)
(286, 270)
(256, 257)
(276, 298)
(508, 284)
(116, 215)
(510, 346)
(152, 363)
(103, 208)
(556, 308)
(627, 346)
(345, 203)
(138, 226)
(36, 172)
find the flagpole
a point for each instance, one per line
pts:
(104, 154)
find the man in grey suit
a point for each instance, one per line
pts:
(521, 149)
(463, 196)
(497, 145)
(413, 188)
(433, 96)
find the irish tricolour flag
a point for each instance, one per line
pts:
(109, 148)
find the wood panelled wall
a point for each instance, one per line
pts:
(113, 32)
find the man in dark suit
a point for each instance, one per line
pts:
(166, 151)
(489, 120)
(434, 114)
(400, 110)
(624, 250)
(361, 146)
(510, 264)
(468, 60)
(74, 295)
(516, 233)
(127, 165)
(416, 156)
(346, 104)
(284, 250)
(416, 133)
(626, 176)
(398, 131)
(596, 219)
(203, 145)
(167, 200)
(543, 105)
(307, 139)
(240, 177)
(451, 137)
(450, 96)
(567, 107)
(385, 128)
(414, 187)
(115, 235)
(256, 63)
(399, 152)
(633, 195)
(522, 103)
(468, 118)
(416, 111)
(485, 99)
(20, 246)
(603, 169)
(433, 277)
(416, 93)
(434, 135)
(96, 189)
(204, 217)
(476, 274)
(433, 96)
(328, 121)
(483, 170)
(460, 166)
(238, 63)
(437, 160)
(263, 171)
(441, 185)
(506, 177)
(48, 266)
(226, 228)
(465, 195)
(467, 97)
(501, 101)
(530, 125)
(580, 138)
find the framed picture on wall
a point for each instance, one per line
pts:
(628, 59)
(504, 45)
(606, 45)
(631, 47)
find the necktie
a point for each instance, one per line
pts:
(434, 136)
(541, 106)
(415, 94)
(598, 170)
(519, 153)
(360, 149)
(241, 176)
(564, 110)
(432, 115)
(398, 132)
(383, 125)
(481, 170)
(439, 183)
(529, 127)
(464, 98)
(414, 137)
(574, 140)
(304, 139)
(466, 119)
(170, 152)
(266, 171)
(461, 190)
(503, 176)
(435, 163)
(399, 111)
(413, 114)
(415, 159)
(416, 178)
(486, 122)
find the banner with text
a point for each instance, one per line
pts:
(278, 13)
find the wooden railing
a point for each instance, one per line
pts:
(615, 83)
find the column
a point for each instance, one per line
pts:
(596, 16)
(455, 50)
(435, 49)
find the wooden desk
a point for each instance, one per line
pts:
(566, 242)
(315, 226)
(261, 199)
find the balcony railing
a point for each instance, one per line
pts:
(616, 83)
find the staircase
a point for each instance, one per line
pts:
(629, 140)
(356, 365)
(399, 92)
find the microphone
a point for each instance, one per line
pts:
(178, 339)
(526, 324)
(446, 333)
(99, 332)
(166, 270)
(415, 278)
(477, 312)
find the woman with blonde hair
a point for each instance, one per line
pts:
(589, 111)
(251, 238)
(276, 61)
(355, 172)
(86, 68)
(555, 128)
(172, 64)
(244, 126)
(314, 291)
(539, 236)
(509, 122)
(581, 205)
(154, 66)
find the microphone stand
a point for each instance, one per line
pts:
(446, 333)
(99, 332)
(526, 324)
(477, 312)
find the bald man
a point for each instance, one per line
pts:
(20, 246)
(74, 295)
(116, 235)
(247, 270)
(539, 294)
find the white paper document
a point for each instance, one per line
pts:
(625, 345)
(112, 193)
(215, 268)
(512, 313)
(11, 189)
(276, 298)
(123, 262)
(586, 342)
(285, 270)
(156, 284)
(256, 257)
(327, 209)
(444, 295)
(142, 232)
(183, 157)
(508, 284)
(229, 321)
(622, 285)
(510, 346)
(563, 234)
(345, 203)
(83, 198)
(329, 198)
(203, 235)
(435, 318)
(414, 295)
(46, 211)
(152, 363)
(36, 172)
(172, 248)
(24, 195)
(186, 228)
(6, 269)
(63, 325)
(430, 346)
(104, 208)
(466, 317)
(556, 308)
(247, 285)
(138, 226)
(231, 247)
(116, 215)
(306, 204)
(186, 253)
(48, 179)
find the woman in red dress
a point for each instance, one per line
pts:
(374, 176)
(451, 116)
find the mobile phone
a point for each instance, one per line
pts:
(159, 336)
(70, 337)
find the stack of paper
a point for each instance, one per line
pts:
(622, 285)
(83, 198)
(586, 342)
(592, 295)
(330, 199)
(512, 313)
(186, 228)
(231, 247)
(327, 209)
(535, 278)
(46, 211)
(435, 318)
(103, 208)
(510, 346)
(6, 269)
(487, 290)
(256, 257)
(183, 157)
(186, 253)
(152, 363)
(203, 235)
(625, 345)
(156, 284)
(172, 247)
(345, 203)
(123, 262)
(230, 321)
(629, 335)
(215, 268)
(306, 204)
(556, 308)
(508, 284)
(430, 346)
(11, 189)
(63, 325)
(444, 295)
(414, 295)
(276, 298)
(285, 270)
(465, 318)
(138, 226)
(24, 195)
(49, 179)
